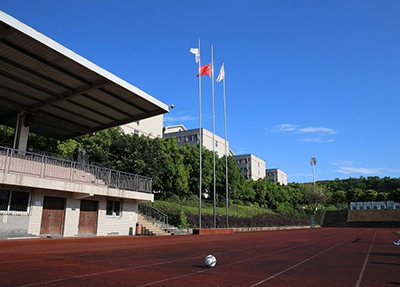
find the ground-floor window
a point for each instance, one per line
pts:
(113, 207)
(13, 200)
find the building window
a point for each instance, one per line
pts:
(12, 200)
(258, 164)
(113, 207)
(136, 132)
(179, 139)
(216, 143)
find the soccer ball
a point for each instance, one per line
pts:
(210, 261)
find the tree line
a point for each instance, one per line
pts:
(175, 172)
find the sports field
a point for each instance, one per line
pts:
(308, 257)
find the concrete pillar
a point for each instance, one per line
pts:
(22, 131)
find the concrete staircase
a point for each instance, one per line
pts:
(151, 228)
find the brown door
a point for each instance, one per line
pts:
(88, 217)
(53, 215)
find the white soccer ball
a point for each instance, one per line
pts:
(210, 261)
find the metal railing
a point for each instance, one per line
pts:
(154, 215)
(44, 166)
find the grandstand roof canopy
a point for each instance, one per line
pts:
(67, 95)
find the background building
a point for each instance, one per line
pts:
(251, 166)
(367, 205)
(191, 137)
(151, 127)
(277, 175)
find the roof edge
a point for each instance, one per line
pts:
(20, 26)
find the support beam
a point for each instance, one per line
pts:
(33, 72)
(79, 115)
(130, 119)
(12, 105)
(69, 96)
(22, 132)
(92, 110)
(11, 90)
(28, 84)
(60, 123)
(123, 100)
(107, 105)
(44, 61)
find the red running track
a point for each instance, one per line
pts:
(306, 257)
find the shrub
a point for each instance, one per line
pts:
(262, 220)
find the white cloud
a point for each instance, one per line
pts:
(283, 128)
(299, 174)
(316, 140)
(343, 162)
(362, 170)
(179, 119)
(319, 130)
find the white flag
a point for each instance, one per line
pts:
(196, 53)
(221, 75)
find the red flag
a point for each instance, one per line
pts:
(205, 70)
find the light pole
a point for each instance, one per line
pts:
(313, 163)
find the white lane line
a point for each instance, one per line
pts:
(118, 259)
(237, 262)
(365, 262)
(302, 262)
(173, 261)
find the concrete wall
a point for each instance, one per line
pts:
(13, 225)
(110, 225)
(251, 166)
(277, 175)
(106, 225)
(191, 137)
(151, 127)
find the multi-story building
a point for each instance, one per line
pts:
(151, 127)
(192, 137)
(251, 166)
(277, 175)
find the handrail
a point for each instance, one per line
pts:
(154, 215)
(43, 166)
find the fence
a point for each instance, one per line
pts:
(154, 215)
(44, 166)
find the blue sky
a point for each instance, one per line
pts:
(303, 78)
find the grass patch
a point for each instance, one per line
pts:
(207, 208)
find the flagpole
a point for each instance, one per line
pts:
(213, 130)
(200, 136)
(226, 152)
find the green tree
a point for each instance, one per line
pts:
(354, 194)
(383, 196)
(339, 197)
(370, 195)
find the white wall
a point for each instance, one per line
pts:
(106, 225)
(151, 127)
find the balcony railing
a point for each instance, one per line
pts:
(154, 215)
(44, 166)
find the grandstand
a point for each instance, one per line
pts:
(48, 89)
